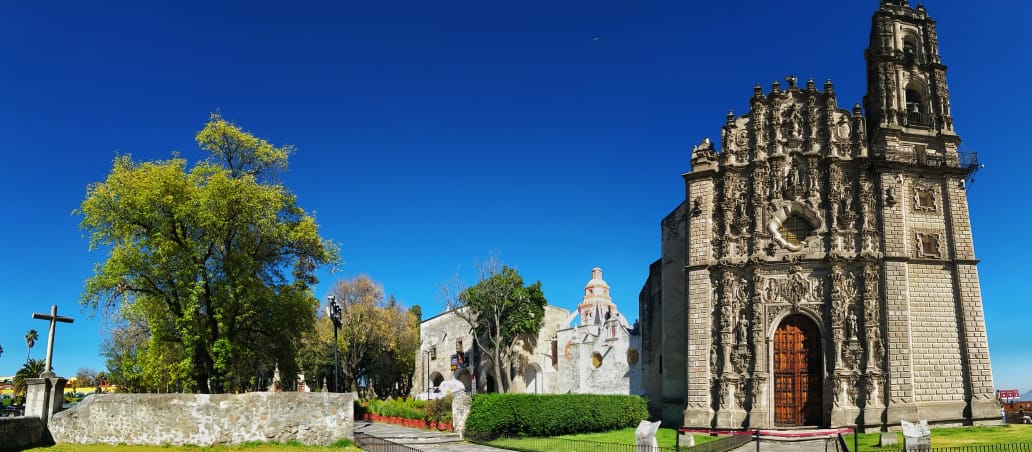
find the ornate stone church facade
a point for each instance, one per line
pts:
(821, 270)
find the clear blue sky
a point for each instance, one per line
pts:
(430, 134)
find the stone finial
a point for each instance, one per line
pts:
(757, 90)
(810, 85)
(775, 87)
(730, 117)
(856, 109)
(829, 87)
(792, 80)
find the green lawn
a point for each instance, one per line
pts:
(343, 446)
(956, 437)
(666, 437)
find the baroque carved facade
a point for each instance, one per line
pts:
(820, 271)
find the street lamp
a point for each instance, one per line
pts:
(334, 311)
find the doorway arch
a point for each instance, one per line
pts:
(798, 374)
(532, 377)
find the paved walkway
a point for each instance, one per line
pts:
(420, 439)
(814, 445)
(450, 442)
(776, 443)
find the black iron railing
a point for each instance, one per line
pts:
(968, 160)
(723, 444)
(371, 443)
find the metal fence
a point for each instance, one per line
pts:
(373, 444)
(722, 444)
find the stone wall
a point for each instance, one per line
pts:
(18, 432)
(201, 419)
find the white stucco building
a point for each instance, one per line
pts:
(599, 354)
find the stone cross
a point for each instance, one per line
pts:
(53, 318)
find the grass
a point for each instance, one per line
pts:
(955, 437)
(341, 445)
(665, 437)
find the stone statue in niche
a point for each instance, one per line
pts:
(793, 181)
(771, 291)
(776, 177)
(795, 124)
(813, 182)
(725, 315)
(741, 330)
(851, 325)
(845, 204)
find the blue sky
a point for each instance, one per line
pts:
(431, 134)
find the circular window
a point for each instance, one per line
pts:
(596, 360)
(632, 357)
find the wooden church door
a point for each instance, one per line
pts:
(797, 373)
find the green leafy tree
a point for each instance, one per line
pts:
(30, 341)
(501, 310)
(377, 341)
(31, 369)
(390, 370)
(362, 326)
(216, 261)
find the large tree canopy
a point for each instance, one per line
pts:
(216, 260)
(501, 311)
(377, 340)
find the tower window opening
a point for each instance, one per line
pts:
(909, 50)
(915, 111)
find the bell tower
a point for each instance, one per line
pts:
(907, 101)
(932, 306)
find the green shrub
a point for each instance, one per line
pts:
(439, 410)
(552, 414)
(403, 408)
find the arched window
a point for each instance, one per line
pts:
(909, 50)
(915, 109)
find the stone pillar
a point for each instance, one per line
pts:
(691, 360)
(44, 397)
(460, 411)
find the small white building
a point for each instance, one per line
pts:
(600, 355)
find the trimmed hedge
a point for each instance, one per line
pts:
(492, 415)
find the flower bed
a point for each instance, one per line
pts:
(433, 415)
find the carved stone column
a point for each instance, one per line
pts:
(759, 416)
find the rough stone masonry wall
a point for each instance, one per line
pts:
(201, 419)
(18, 432)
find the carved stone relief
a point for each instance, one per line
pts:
(925, 198)
(928, 244)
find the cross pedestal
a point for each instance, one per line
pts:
(44, 397)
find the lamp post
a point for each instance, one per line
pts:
(334, 311)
